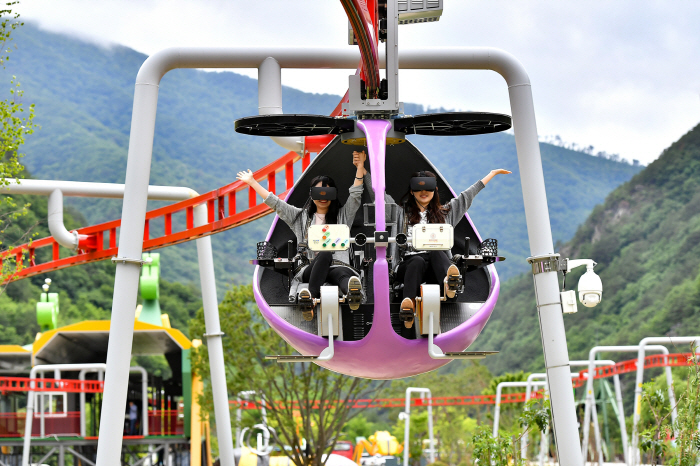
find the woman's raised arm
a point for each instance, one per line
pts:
(492, 173)
(248, 178)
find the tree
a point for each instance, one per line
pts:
(16, 124)
(453, 425)
(504, 450)
(306, 404)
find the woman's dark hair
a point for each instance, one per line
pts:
(310, 206)
(436, 211)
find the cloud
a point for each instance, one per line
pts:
(622, 76)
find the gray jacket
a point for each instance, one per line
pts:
(299, 224)
(458, 207)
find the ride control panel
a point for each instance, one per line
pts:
(432, 237)
(331, 237)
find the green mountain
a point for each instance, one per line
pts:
(84, 94)
(645, 238)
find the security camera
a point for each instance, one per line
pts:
(590, 287)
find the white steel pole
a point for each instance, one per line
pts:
(596, 425)
(26, 446)
(270, 100)
(499, 391)
(407, 419)
(528, 391)
(81, 377)
(128, 270)
(621, 417)
(694, 341)
(589, 390)
(215, 345)
(144, 397)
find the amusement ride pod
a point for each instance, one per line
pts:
(373, 342)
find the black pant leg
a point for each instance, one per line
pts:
(439, 263)
(340, 276)
(317, 272)
(411, 272)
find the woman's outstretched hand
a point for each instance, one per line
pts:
(245, 176)
(492, 173)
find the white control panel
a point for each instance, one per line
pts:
(432, 237)
(329, 237)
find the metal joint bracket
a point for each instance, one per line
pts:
(217, 334)
(547, 263)
(126, 260)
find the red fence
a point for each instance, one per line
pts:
(60, 424)
(23, 384)
(165, 422)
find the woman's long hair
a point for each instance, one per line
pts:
(310, 206)
(436, 211)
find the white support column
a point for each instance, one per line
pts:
(589, 405)
(128, 271)
(26, 446)
(643, 345)
(406, 416)
(215, 345)
(499, 391)
(553, 333)
(144, 398)
(270, 100)
(621, 417)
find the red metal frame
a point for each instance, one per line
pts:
(23, 384)
(655, 360)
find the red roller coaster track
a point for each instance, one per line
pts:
(223, 214)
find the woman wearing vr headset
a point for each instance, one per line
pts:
(321, 207)
(421, 204)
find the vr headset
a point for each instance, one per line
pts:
(423, 183)
(323, 193)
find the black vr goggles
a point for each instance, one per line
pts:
(323, 193)
(423, 183)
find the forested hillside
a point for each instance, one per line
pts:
(84, 95)
(646, 240)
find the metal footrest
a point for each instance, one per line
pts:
(469, 354)
(325, 355)
(436, 353)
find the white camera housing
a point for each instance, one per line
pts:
(590, 288)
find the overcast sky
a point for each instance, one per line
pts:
(621, 75)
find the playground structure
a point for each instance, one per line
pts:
(64, 390)
(218, 210)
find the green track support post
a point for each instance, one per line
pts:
(150, 289)
(47, 309)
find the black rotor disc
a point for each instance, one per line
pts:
(292, 125)
(453, 124)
